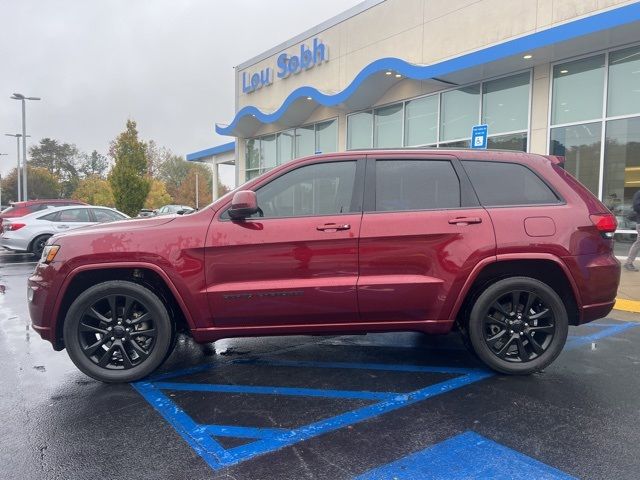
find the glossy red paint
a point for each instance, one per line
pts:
(352, 272)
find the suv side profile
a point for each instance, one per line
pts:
(507, 247)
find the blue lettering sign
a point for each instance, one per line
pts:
(292, 64)
(253, 82)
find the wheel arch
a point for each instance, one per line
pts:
(149, 276)
(546, 268)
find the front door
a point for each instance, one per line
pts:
(422, 233)
(296, 262)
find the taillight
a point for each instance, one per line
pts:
(15, 226)
(606, 223)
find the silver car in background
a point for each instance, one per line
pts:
(30, 232)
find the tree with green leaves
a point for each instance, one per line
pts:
(94, 165)
(94, 191)
(42, 184)
(128, 177)
(61, 159)
(158, 195)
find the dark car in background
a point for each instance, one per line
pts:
(506, 247)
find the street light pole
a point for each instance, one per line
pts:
(22, 98)
(18, 171)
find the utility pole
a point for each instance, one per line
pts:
(22, 98)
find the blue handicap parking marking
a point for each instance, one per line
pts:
(201, 437)
(466, 456)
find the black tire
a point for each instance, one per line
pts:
(37, 246)
(134, 343)
(520, 340)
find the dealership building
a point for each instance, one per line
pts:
(555, 77)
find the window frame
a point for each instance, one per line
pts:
(468, 198)
(357, 195)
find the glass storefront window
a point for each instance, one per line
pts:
(250, 174)
(621, 167)
(516, 141)
(252, 153)
(327, 136)
(305, 141)
(388, 127)
(359, 128)
(457, 144)
(505, 103)
(624, 82)
(285, 146)
(460, 110)
(421, 121)
(580, 145)
(578, 88)
(268, 152)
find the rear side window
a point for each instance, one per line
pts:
(503, 184)
(103, 215)
(416, 185)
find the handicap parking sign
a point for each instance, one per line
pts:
(479, 136)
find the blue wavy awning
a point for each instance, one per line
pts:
(307, 98)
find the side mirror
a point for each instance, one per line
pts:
(243, 205)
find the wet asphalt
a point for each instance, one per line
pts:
(317, 407)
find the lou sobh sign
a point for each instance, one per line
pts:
(287, 65)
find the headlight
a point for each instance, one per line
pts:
(49, 253)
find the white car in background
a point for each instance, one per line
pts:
(30, 232)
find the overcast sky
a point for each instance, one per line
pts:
(168, 64)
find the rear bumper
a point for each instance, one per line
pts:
(596, 278)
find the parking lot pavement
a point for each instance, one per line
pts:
(376, 406)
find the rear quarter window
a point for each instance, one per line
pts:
(500, 184)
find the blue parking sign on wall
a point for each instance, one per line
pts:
(479, 136)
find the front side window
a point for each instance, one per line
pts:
(416, 185)
(499, 184)
(103, 215)
(319, 189)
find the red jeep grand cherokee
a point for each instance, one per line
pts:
(506, 246)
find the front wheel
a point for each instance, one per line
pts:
(518, 325)
(118, 331)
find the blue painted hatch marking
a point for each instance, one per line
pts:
(200, 436)
(469, 456)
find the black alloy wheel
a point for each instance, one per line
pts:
(118, 331)
(518, 325)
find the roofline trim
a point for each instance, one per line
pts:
(210, 152)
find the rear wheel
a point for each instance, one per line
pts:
(518, 325)
(118, 331)
(37, 246)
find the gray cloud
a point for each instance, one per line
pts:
(168, 64)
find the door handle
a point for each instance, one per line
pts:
(465, 220)
(333, 227)
(63, 226)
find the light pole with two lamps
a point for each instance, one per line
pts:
(22, 98)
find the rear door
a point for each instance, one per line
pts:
(422, 233)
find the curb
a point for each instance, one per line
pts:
(625, 305)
